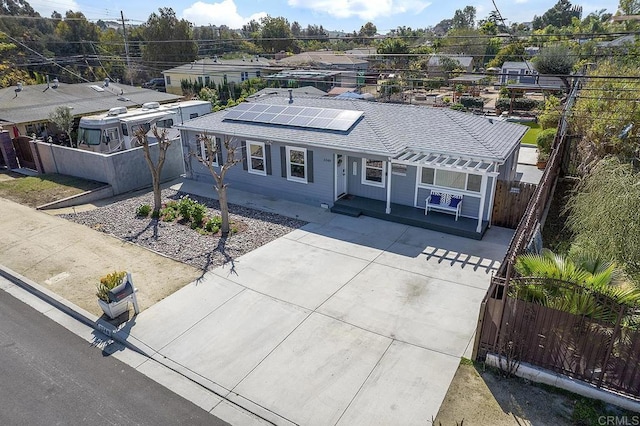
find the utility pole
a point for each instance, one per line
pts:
(126, 49)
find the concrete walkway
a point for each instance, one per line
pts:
(348, 321)
(353, 321)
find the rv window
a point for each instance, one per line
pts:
(193, 115)
(89, 136)
(165, 123)
(124, 130)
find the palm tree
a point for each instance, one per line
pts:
(585, 285)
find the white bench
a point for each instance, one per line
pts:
(444, 201)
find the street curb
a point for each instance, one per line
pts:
(112, 332)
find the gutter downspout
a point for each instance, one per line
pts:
(388, 209)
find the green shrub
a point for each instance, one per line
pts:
(143, 210)
(198, 212)
(457, 107)
(184, 208)
(213, 224)
(520, 104)
(545, 140)
(549, 119)
(472, 102)
(168, 214)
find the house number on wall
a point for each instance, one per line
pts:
(327, 160)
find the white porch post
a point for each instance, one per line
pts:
(483, 195)
(388, 209)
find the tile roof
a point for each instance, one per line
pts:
(35, 102)
(385, 129)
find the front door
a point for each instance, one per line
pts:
(341, 175)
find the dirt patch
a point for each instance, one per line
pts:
(480, 395)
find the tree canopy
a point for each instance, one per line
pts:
(168, 41)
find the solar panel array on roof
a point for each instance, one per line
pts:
(298, 116)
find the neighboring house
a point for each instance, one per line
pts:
(324, 80)
(438, 64)
(298, 91)
(620, 45)
(25, 110)
(324, 59)
(518, 72)
(324, 150)
(216, 71)
(524, 77)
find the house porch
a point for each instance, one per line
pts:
(442, 222)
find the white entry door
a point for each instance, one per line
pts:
(341, 175)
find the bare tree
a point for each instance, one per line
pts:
(63, 119)
(156, 169)
(209, 156)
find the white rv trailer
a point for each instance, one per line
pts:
(114, 130)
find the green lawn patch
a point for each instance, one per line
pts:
(34, 191)
(532, 133)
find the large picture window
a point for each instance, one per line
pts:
(450, 179)
(297, 164)
(373, 172)
(256, 158)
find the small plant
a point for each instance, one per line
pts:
(184, 207)
(169, 212)
(213, 224)
(197, 214)
(143, 210)
(108, 282)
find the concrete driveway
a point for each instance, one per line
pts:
(353, 322)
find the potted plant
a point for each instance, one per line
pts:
(108, 282)
(543, 157)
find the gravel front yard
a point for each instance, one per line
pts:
(180, 242)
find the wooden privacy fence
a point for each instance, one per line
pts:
(601, 348)
(605, 354)
(510, 202)
(24, 153)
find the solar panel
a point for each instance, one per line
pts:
(297, 116)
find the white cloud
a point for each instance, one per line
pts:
(222, 13)
(46, 8)
(363, 9)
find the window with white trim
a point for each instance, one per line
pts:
(203, 150)
(450, 179)
(373, 172)
(296, 164)
(256, 162)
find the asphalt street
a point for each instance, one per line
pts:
(50, 376)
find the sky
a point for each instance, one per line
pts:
(339, 15)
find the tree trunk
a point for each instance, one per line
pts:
(157, 195)
(224, 210)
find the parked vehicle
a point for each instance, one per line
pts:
(155, 84)
(114, 130)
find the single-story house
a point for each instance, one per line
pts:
(437, 64)
(324, 80)
(324, 59)
(25, 110)
(216, 71)
(328, 152)
(518, 72)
